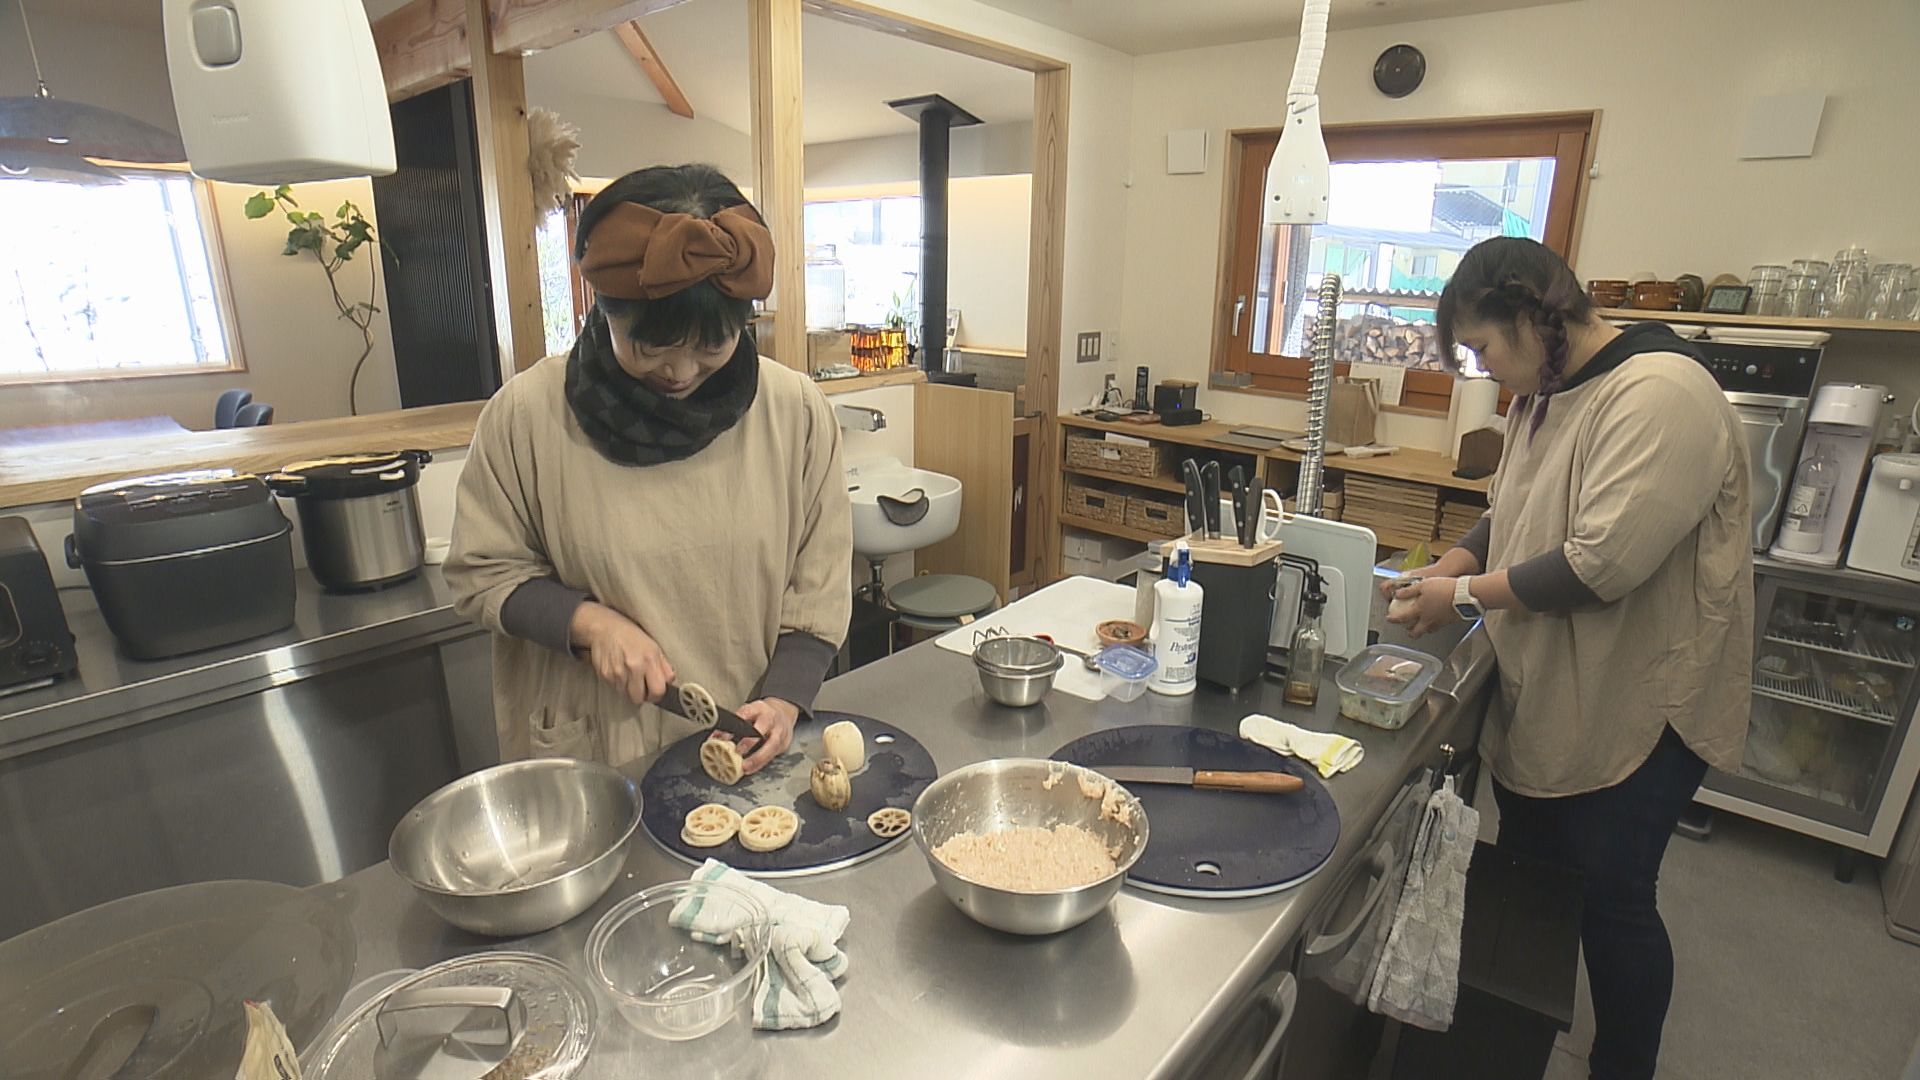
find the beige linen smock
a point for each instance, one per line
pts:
(1639, 477)
(715, 555)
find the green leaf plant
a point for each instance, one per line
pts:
(333, 244)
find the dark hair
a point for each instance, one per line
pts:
(700, 314)
(1506, 280)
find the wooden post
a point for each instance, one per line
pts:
(422, 45)
(1046, 275)
(779, 173)
(506, 185)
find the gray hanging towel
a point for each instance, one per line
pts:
(1419, 975)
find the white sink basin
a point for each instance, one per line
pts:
(875, 534)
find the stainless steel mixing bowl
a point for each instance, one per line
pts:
(1009, 792)
(518, 848)
(1017, 671)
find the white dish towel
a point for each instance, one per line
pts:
(1329, 753)
(1418, 980)
(805, 961)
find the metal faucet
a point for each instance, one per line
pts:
(859, 418)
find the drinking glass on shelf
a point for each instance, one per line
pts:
(1887, 290)
(1804, 281)
(1769, 284)
(1844, 295)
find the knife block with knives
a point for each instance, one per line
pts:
(1237, 572)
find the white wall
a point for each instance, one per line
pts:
(986, 150)
(299, 353)
(988, 236)
(1673, 82)
(618, 136)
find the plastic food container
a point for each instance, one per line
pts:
(664, 982)
(1384, 685)
(1124, 671)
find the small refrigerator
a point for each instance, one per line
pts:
(1831, 751)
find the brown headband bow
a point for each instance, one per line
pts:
(638, 253)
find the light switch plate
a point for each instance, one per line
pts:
(1089, 349)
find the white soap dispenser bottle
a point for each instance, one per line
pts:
(1176, 626)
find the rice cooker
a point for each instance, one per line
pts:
(359, 517)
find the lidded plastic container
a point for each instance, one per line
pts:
(1124, 671)
(1385, 684)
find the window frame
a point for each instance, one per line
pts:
(1569, 138)
(209, 214)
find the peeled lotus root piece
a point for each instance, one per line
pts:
(710, 825)
(698, 706)
(843, 743)
(889, 821)
(721, 759)
(768, 828)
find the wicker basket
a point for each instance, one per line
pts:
(1120, 459)
(1094, 504)
(1161, 517)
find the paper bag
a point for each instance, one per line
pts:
(1352, 408)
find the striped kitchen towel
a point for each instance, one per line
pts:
(796, 989)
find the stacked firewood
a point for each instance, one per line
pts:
(1380, 340)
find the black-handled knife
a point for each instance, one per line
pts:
(1210, 490)
(1196, 496)
(1237, 484)
(1249, 509)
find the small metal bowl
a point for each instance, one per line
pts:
(1017, 671)
(1011, 792)
(518, 848)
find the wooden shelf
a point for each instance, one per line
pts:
(1769, 322)
(1155, 482)
(870, 381)
(1124, 532)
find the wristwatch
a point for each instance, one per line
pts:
(1464, 605)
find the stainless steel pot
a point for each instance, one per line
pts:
(359, 518)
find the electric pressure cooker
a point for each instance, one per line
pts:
(359, 517)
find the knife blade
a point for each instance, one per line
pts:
(1267, 783)
(1196, 497)
(1210, 490)
(727, 720)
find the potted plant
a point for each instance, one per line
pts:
(332, 243)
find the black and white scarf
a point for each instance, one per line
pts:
(632, 424)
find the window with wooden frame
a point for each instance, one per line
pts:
(1407, 202)
(565, 298)
(112, 279)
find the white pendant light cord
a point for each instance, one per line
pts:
(32, 51)
(1313, 46)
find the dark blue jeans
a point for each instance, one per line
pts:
(1615, 838)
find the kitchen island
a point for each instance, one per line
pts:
(1156, 987)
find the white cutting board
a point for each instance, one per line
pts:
(1066, 611)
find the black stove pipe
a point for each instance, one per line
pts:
(937, 118)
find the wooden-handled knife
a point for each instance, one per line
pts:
(1265, 783)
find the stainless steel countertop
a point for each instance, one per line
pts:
(1138, 992)
(329, 630)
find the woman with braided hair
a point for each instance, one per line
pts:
(660, 500)
(1614, 575)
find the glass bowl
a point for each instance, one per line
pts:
(664, 982)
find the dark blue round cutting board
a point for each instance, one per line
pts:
(897, 771)
(1251, 844)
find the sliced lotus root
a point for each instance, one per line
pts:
(698, 706)
(889, 821)
(710, 825)
(721, 758)
(768, 828)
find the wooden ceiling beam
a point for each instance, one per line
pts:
(422, 46)
(521, 26)
(643, 53)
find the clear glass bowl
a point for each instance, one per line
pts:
(664, 982)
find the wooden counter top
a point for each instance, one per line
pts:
(59, 471)
(874, 381)
(1413, 466)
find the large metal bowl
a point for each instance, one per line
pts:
(1010, 792)
(518, 848)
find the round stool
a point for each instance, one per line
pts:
(940, 602)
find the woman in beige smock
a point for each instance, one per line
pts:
(1615, 577)
(661, 503)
